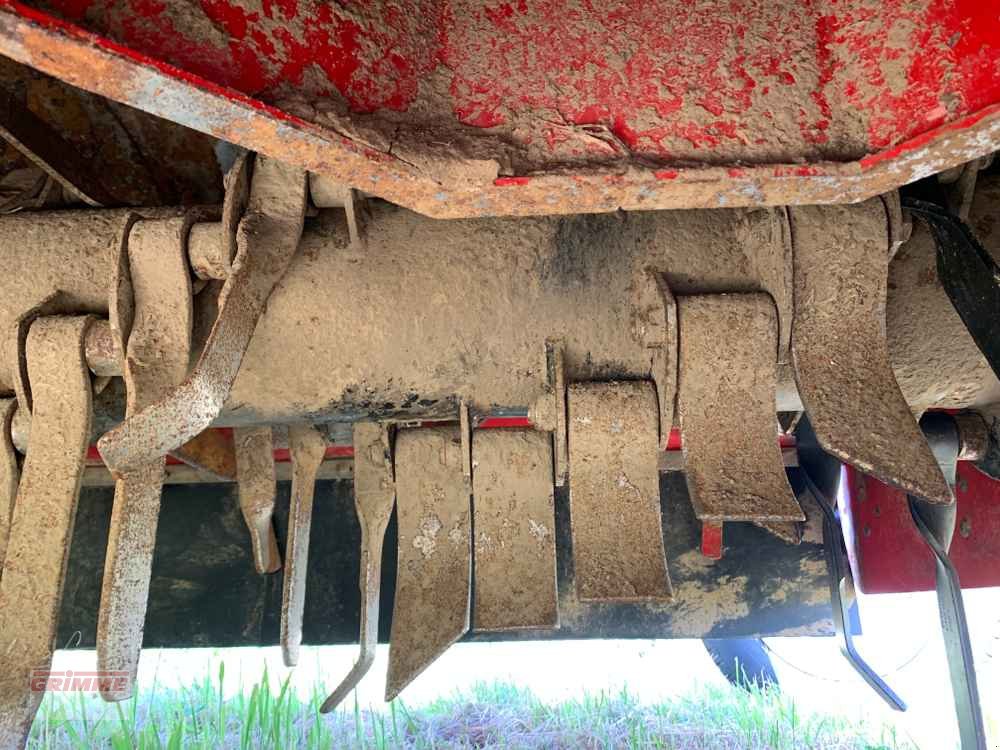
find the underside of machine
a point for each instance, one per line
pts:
(491, 320)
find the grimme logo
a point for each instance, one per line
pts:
(64, 681)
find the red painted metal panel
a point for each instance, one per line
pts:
(591, 136)
(888, 555)
(744, 82)
(711, 540)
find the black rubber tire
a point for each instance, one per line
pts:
(742, 661)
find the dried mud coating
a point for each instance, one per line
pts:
(9, 474)
(157, 353)
(662, 345)
(267, 239)
(434, 570)
(33, 571)
(48, 250)
(374, 498)
(258, 487)
(787, 531)
(462, 322)
(307, 447)
(839, 348)
(515, 546)
(614, 493)
(936, 362)
(725, 400)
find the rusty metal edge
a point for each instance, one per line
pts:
(102, 67)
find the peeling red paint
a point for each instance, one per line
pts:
(711, 540)
(804, 171)
(667, 117)
(500, 181)
(660, 78)
(918, 142)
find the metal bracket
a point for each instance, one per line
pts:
(655, 324)
(549, 411)
(268, 238)
(34, 568)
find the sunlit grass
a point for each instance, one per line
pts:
(496, 715)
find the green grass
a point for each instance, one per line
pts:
(489, 716)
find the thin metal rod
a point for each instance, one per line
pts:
(838, 572)
(955, 631)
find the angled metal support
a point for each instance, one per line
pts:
(268, 237)
(840, 577)
(34, 568)
(968, 274)
(936, 525)
(374, 498)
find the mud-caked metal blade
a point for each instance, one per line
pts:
(434, 569)
(44, 514)
(839, 351)
(614, 491)
(515, 546)
(307, 447)
(728, 351)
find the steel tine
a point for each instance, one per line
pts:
(839, 572)
(34, 569)
(374, 498)
(307, 447)
(258, 487)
